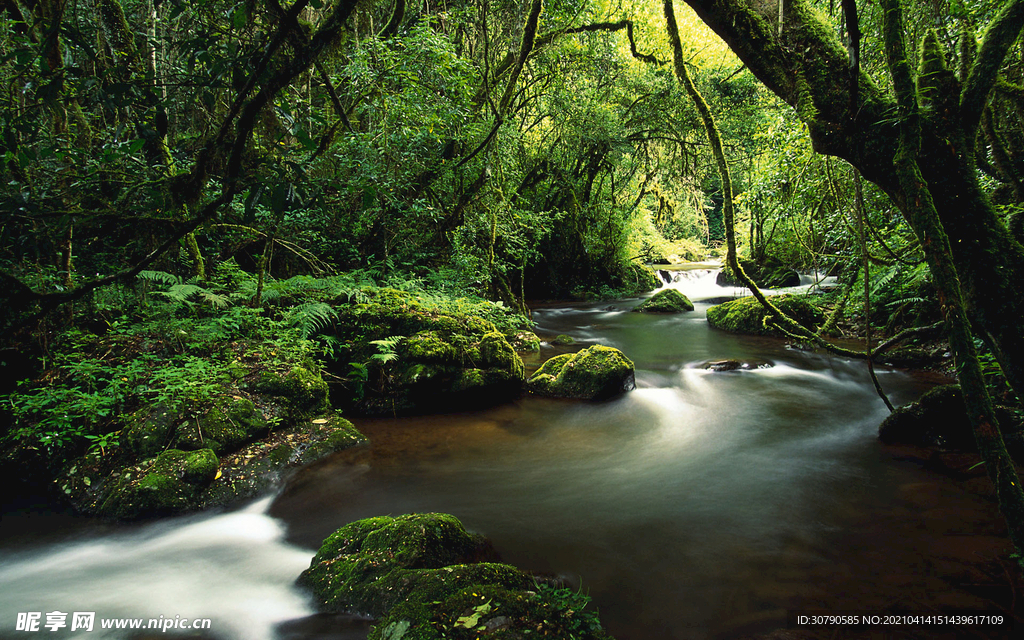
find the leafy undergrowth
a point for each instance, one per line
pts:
(188, 365)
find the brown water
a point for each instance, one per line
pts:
(701, 505)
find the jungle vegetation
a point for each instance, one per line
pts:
(227, 166)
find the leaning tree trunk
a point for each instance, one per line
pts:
(923, 214)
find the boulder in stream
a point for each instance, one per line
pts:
(595, 373)
(665, 301)
(424, 576)
(939, 419)
(416, 357)
(746, 315)
(736, 365)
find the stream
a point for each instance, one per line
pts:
(701, 505)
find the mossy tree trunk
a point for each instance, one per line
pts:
(924, 216)
(803, 63)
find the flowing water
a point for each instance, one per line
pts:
(702, 504)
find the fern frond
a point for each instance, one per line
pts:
(886, 279)
(159, 276)
(387, 344)
(311, 317)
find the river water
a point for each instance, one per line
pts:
(703, 504)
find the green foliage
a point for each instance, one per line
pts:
(386, 349)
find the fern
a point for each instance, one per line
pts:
(386, 349)
(311, 317)
(886, 279)
(182, 292)
(161, 277)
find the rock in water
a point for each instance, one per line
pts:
(667, 301)
(746, 315)
(736, 365)
(595, 373)
(423, 576)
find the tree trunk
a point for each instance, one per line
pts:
(802, 66)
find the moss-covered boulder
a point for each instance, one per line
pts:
(224, 427)
(149, 429)
(746, 315)
(165, 484)
(667, 301)
(563, 340)
(424, 576)
(595, 373)
(525, 341)
(302, 393)
(266, 463)
(939, 419)
(420, 358)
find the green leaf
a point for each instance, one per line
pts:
(396, 630)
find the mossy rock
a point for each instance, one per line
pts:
(424, 576)
(450, 358)
(166, 484)
(303, 393)
(260, 466)
(939, 419)
(667, 301)
(223, 428)
(746, 315)
(428, 346)
(497, 353)
(148, 430)
(524, 341)
(351, 570)
(595, 373)
(563, 340)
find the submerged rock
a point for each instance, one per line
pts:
(736, 365)
(595, 373)
(424, 576)
(667, 301)
(746, 315)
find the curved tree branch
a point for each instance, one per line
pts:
(999, 37)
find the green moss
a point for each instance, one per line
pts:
(428, 346)
(419, 575)
(166, 484)
(304, 392)
(148, 430)
(594, 373)
(524, 341)
(199, 467)
(563, 340)
(667, 301)
(261, 465)
(223, 428)
(496, 352)
(746, 315)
